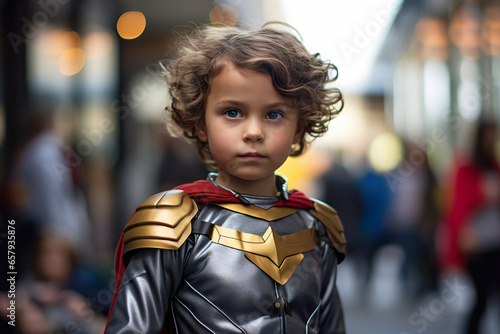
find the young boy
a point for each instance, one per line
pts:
(237, 253)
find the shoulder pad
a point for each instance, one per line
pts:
(328, 216)
(162, 221)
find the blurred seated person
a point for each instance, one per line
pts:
(49, 296)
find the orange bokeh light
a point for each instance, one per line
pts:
(432, 33)
(57, 41)
(224, 15)
(131, 25)
(465, 33)
(490, 31)
(71, 61)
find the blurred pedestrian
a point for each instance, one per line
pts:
(473, 230)
(376, 199)
(413, 218)
(49, 173)
(180, 163)
(340, 190)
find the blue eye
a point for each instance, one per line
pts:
(232, 113)
(274, 115)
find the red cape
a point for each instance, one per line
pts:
(206, 192)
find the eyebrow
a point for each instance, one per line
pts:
(239, 104)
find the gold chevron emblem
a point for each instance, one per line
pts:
(278, 256)
(273, 213)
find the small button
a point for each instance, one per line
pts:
(277, 304)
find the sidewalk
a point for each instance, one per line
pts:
(382, 307)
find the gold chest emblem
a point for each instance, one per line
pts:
(278, 256)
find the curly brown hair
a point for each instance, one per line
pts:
(294, 72)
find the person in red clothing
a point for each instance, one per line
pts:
(473, 224)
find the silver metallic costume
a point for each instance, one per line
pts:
(229, 268)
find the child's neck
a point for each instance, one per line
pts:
(263, 187)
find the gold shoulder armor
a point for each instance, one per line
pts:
(328, 216)
(162, 221)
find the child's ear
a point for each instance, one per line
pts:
(301, 127)
(201, 132)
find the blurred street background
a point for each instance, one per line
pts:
(83, 141)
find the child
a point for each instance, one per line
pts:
(237, 253)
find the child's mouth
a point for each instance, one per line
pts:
(252, 156)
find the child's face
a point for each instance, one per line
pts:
(250, 129)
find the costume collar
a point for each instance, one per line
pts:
(281, 184)
(209, 191)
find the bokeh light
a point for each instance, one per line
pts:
(224, 15)
(56, 41)
(465, 32)
(71, 61)
(491, 31)
(432, 33)
(97, 45)
(385, 152)
(131, 25)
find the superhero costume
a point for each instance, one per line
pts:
(204, 259)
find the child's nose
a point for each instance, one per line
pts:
(253, 131)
